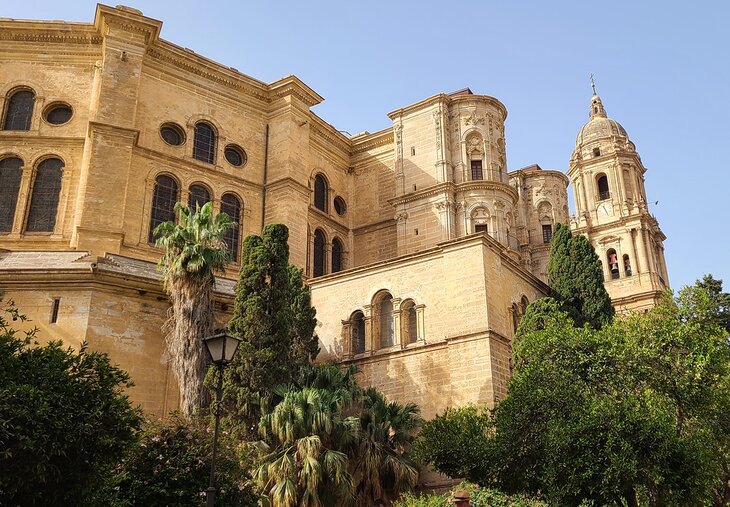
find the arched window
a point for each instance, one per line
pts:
(197, 196)
(320, 193)
(613, 263)
(11, 173)
(357, 332)
(319, 258)
(408, 322)
(523, 305)
(515, 316)
(204, 142)
(164, 197)
(231, 206)
(627, 265)
(44, 199)
(603, 192)
(480, 218)
(385, 320)
(19, 110)
(336, 255)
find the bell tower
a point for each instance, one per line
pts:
(607, 177)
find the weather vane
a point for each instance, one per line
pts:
(593, 85)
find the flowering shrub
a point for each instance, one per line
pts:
(170, 465)
(480, 497)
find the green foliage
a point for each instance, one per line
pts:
(274, 317)
(194, 246)
(480, 497)
(326, 441)
(456, 443)
(64, 421)
(720, 299)
(575, 278)
(170, 465)
(633, 413)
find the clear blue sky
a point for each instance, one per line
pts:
(662, 70)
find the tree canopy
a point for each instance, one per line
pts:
(274, 317)
(64, 421)
(635, 412)
(574, 275)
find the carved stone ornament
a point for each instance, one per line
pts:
(473, 119)
(401, 217)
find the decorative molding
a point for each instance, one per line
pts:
(10, 32)
(473, 119)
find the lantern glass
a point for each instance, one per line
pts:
(222, 347)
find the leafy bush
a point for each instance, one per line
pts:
(480, 497)
(64, 421)
(170, 465)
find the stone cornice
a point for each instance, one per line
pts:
(549, 172)
(330, 134)
(49, 32)
(188, 61)
(448, 99)
(292, 85)
(127, 19)
(288, 182)
(432, 191)
(371, 141)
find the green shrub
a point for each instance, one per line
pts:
(170, 465)
(480, 497)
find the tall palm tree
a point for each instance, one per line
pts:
(387, 430)
(194, 251)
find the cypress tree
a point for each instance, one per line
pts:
(273, 316)
(574, 275)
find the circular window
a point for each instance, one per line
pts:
(235, 155)
(58, 114)
(340, 206)
(172, 134)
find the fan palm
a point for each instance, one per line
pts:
(194, 251)
(387, 430)
(308, 438)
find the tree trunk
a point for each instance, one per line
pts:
(190, 320)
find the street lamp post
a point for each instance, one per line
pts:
(221, 347)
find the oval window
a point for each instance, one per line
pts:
(340, 206)
(235, 155)
(172, 134)
(58, 114)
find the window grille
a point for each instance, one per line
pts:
(204, 144)
(319, 259)
(164, 198)
(336, 256)
(19, 110)
(45, 195)
(197, 196)
(320, 193)
(231, 206)
(11, 173)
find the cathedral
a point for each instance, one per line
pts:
(421, 248)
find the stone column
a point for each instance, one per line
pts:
(24, 191)
(420, 325)
(368, 318)
(396, 321)
(345, 339)
(641, 245)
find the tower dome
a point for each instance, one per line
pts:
(599, 125)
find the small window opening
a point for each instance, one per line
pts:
(54, 311)
(603, 192)
(627, 265)
(596, 152)
(414, 188)
(413, 150)
(477, 172)
(613, 264)
(415, 231)
(547, 233)
(481, 228)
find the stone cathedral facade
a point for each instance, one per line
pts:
(421, 248)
